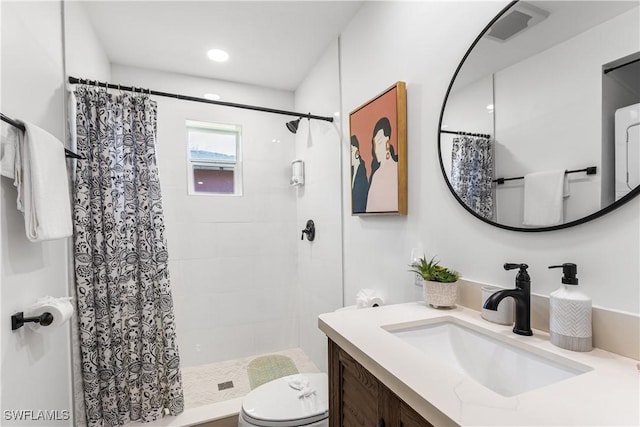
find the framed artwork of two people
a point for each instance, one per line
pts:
(378, 131)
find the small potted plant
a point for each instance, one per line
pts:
(439, 287)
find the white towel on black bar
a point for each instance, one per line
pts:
(9, 152)
(43, 186)
(544, 194)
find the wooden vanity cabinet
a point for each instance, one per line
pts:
(357, 398)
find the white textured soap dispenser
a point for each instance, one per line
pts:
(570, 313)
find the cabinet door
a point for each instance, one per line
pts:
(410, 418)
(353, 392)
(357, 398)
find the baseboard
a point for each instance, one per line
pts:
(613, 331)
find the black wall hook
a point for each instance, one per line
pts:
(18, 320)
(310, 231)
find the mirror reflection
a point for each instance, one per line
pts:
(542, 123)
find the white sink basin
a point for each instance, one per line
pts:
(486, 357)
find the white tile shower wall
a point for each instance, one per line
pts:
(320, 261)
(233, 258)
(421, 43)
(35, 371)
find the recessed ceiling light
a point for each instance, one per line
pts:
(218, 55)
(212, 96)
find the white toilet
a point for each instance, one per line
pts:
(279, 404)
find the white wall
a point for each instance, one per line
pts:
(35, 367)
(467, 112)
(232, 259)
(319, 262)
(421, 43)
(536, 134)
(85, 55)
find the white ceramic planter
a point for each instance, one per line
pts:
(440, 295)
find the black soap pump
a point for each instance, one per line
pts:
(569, 273)
(570, 313)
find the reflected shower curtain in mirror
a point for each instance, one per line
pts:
(472, 173)
(130, 362)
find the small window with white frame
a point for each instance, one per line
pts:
(214, 158)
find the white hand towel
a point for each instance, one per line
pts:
(43, 189)
(543, 198)
(10, 141)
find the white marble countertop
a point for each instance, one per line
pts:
(607, 395)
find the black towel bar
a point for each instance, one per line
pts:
(68, 153)
(591, 170)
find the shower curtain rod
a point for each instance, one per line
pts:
(75, 80)
(67, 153)
(479, 135)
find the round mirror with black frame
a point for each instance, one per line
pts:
(540, 125)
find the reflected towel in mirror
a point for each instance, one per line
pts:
(544, 194)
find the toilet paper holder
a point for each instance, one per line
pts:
(18, 320)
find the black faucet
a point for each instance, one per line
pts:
(521, 294)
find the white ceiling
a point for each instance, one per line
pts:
(270, 43)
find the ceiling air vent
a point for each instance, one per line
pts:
(517, 19)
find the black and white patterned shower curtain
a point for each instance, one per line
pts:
(472, 173)
(130, 362)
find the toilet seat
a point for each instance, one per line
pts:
(276, 404)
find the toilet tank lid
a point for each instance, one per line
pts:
(276, 403)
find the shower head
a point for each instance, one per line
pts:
(293, 125)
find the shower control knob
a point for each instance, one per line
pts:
(310, 231)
